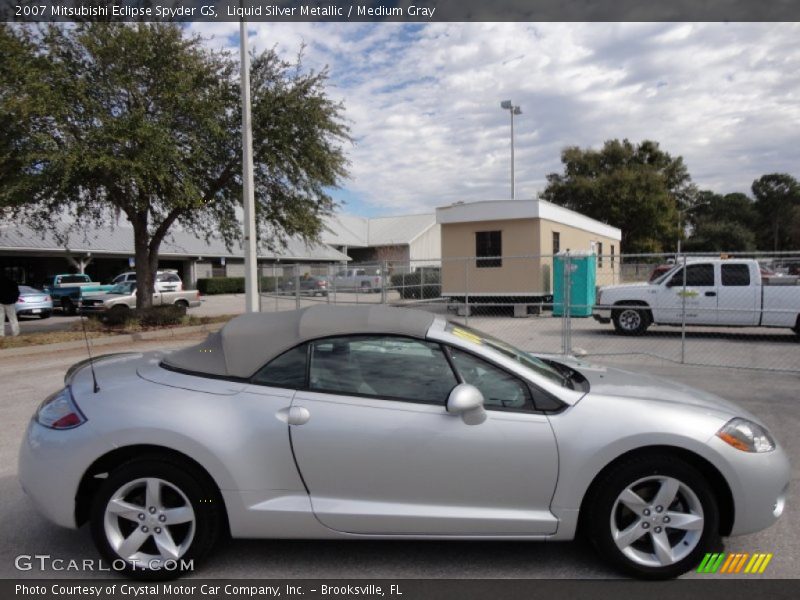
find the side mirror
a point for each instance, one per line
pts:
(466, 400)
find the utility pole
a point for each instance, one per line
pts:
(250, 231)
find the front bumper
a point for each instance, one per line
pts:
(759, 483)
(93, 308)
(601, 314)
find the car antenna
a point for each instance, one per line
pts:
(95, 387)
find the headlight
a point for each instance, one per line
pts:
(746, 436)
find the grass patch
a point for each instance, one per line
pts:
(97, 329)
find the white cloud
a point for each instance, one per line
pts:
(424, 100)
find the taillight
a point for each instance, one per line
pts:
(20, 299)
(377, 281)
(59, 411)
(47, 298)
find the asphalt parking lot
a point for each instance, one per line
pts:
(28, 379)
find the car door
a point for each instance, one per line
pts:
(380, 454)
(698, 298)
(737, 295)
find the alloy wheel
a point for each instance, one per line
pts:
(657, 521)
(149, 521)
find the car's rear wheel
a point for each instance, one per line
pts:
(630, 321)
(68, 306)
(653, 517)
(156, 517)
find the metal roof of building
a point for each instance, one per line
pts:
(118, 239)
(361, 232)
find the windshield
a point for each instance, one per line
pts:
(661, 278)
(525, 358)
(123, 288)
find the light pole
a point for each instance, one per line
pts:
(513, 110)
(250, 232)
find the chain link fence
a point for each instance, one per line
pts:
(725, 310)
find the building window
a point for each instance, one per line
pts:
(556, 242)
(612, 256)
(599, 255)
(488, 244)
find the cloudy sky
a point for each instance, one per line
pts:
(423, 101)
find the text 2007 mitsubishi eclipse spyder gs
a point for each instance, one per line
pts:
(377, 422)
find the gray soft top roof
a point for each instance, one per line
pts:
(249, 341)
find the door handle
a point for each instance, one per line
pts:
(298, 415)
(293, 415)
(711, 293)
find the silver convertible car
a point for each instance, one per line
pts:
(376, 422)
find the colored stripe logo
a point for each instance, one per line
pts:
(734, 563)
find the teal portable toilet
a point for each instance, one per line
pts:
(583, 278)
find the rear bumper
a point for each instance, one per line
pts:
(51, 465)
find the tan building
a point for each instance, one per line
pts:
(505, 248)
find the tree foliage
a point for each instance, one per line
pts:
(144, 121)
(777, 197)
(636, 187)
(721, 223)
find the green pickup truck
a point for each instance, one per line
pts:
(68, 290)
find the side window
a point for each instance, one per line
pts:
(696, 275)
(118, 279)
(735, 275)
(499, 388)
(286, 371)
(383, 366)
(489, 244)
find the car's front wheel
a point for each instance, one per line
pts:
(653, 517)
(155, 519)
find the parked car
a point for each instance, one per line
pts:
(68, 291)
(361, 279)
(33, 303)
(718, 292)
(166, 281)
(122, 298)
(309, 284)
(337, 422)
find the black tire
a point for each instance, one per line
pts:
(645, 474)
(176, 475)
(68, 306)
(630, 320)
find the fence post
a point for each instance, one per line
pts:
(683, 314)
(567, 306)
(296, 285)
(466, 291)
(275, 285)
(384, 266)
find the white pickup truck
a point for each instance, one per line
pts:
(717, 292)
(121, 298)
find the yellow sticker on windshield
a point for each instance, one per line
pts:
(466, 335)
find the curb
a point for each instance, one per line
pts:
(110, 340)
